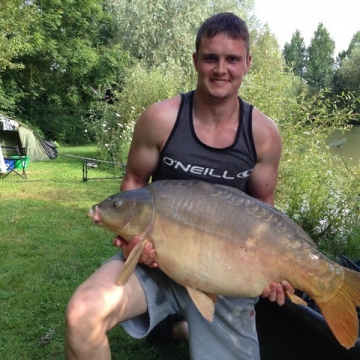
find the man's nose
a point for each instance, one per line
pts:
(221, 66)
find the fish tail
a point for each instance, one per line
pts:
(340, 311)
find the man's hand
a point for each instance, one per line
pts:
(148, 255)
(276, 292)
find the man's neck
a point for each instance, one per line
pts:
(213, 110)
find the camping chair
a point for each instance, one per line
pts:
(15, 160)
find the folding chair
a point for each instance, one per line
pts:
(15, 160)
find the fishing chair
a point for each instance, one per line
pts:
(15, 161)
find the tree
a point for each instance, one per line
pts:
(268, 85)
(295, 54)
(346, 78)
(354, 44)
(320, 63)
(165, 29)
(16, 19)
(71, 54)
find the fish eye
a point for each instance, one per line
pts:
(116, 204)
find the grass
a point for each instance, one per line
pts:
(48, 247)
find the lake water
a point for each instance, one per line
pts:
(350, 148)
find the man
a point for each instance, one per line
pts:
(235, 144)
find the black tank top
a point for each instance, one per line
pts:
(185, 157)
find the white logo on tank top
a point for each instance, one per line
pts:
(204, 171)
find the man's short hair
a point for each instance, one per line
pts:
(226, 23)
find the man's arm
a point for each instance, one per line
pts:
(262, 182)
(144, 152)
(151, 131)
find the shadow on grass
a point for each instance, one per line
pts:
(123, 347)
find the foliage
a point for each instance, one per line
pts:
(349, 72)
(314, 189)
(70, 52)
(264, 50)
(16, 20)
(165, 29)
(9, 96)
(268, 85)
(354, 45)
(295, 54)
(320, 61)
(316, 65)
(347, 77)
(112, 130)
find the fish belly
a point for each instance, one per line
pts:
(224, 242)
(210, 263)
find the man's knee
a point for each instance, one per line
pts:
(86, 326)
(83, 308)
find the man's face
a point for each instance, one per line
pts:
(221, 64)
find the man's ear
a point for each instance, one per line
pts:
(248, 63)
(195, 60)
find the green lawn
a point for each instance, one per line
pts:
(48, 247)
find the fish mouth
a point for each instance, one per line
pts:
(95, 215)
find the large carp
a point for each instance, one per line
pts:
(214, 239)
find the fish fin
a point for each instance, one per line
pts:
(340, 310)
(212, 297)
(203, 302)
(130, 263)
(295, 299)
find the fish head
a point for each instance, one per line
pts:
(127, 213)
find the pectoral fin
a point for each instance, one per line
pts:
(203, 302)
(130, 263)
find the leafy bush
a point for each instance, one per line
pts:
(315, 189)
(112, 125)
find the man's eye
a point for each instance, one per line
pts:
(233, 59)
(210, 58)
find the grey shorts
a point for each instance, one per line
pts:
(232, 334)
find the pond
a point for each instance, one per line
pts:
(346, 144)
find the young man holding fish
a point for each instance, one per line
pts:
(208, 134)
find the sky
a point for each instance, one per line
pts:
(340, 18)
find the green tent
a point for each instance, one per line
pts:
(15, 133)
(18, 139)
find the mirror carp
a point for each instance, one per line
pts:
(217, 240)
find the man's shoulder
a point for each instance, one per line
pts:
(163, 107)
(260, 120)
(158, 119)
(265, 132)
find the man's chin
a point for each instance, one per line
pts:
(218, 97)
